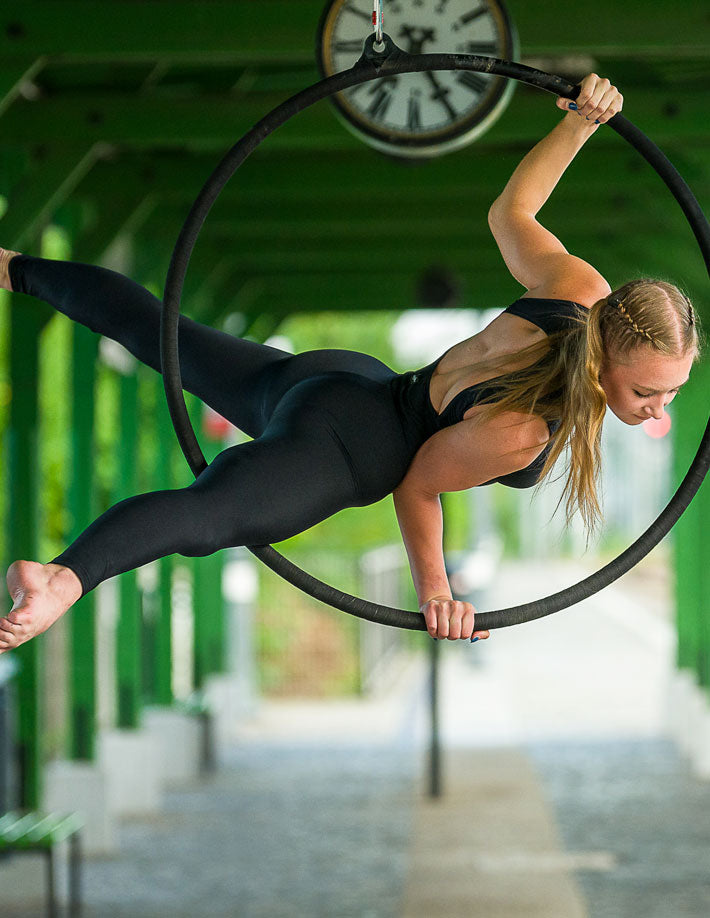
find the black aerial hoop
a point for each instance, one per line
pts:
(374, 64)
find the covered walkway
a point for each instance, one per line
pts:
(562, 797)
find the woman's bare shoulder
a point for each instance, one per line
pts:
(585, 287)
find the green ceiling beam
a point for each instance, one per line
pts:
(32, 201)
(126, 213)
(267, 234)
(13, 166)
(377, 291)
(218, 32)
(271, 219)
(428, 227)
(262, 225)
(269, 193)
(358, 292)
(472, 268)
(474, 176)
(415, 255)
(13, 77)
(276, 30)
(278, 288)
(209, 266)
(276, 246)
(215, 122)
(313, 285)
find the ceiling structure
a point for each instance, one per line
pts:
(113, 114)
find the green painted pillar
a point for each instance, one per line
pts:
(128, 648)
(689, 534)
(702, 553)
(701, 548)
(163, 634)
(207, 601)
(26, 322)
(208, 611)
(82, 620)
(165, 447)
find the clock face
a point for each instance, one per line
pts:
(420, 114)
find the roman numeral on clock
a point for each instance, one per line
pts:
(414, 114)
(473, 81)
(380, 103)
(353, 47)
(468, 18)
(480, 47)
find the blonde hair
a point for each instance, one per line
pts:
(560, 381)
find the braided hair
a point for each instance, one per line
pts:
(641, 332)
(648, 312)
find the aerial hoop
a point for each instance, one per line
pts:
(374, 64)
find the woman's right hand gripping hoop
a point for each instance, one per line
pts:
(451, 619)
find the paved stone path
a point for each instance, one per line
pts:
(637, 802)
(279, 832)
(563, 799)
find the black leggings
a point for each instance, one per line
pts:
(328, 432)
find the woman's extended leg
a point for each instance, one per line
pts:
(324, 443)
(230, 374)
(251, 494)
(242, 380)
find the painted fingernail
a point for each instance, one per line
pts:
(473, 640)
(573, 106)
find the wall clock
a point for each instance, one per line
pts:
(420, 114)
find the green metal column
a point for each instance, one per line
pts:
(128, 650)
(207, 601)
(164, 479)
(26, 322)
(82, 619)
(702, 553)
(163, 634)
(689, 534)
(208, 611)
(701, 547)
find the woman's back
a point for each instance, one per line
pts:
(465, 364)
(465, 370)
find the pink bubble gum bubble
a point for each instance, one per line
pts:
(657, 428)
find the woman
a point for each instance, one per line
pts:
(335, 428)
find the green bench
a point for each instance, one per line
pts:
(39, 832)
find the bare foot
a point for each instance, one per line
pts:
(6, 257)
(42, 593)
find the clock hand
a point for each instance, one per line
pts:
(440, 94)
(414, 112)
(469, 18)
(416, 41)
(381, 93)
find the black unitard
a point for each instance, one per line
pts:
(331, 428)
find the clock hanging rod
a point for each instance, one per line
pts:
(378, 21)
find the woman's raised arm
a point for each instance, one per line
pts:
(534, 256)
